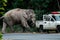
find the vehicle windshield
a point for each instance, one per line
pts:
(57, 18)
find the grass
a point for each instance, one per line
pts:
(17, 29)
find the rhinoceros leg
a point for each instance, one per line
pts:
(4, 27)
(25, 24)
(10, 25)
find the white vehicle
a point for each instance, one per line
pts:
(49, 22)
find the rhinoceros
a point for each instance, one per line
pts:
(20, 16)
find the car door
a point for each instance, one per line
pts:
(46, 21)
(52, 23)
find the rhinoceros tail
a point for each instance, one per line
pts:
(2, 17)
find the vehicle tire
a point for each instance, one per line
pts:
(41, 28)
(58, 29)
(47, 31)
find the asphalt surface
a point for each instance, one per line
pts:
(31, 36)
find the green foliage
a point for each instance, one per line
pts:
(2, 5)
(0, 36)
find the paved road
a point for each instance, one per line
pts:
(31, 36)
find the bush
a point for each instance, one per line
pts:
(0, 36)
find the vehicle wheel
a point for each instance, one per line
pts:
(58, 29)
(41, 28)
(47, 31)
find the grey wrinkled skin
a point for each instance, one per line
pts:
(21, 16)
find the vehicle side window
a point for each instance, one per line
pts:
(52, 19)
(47, 18)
